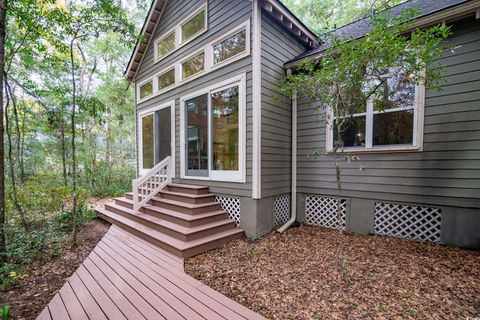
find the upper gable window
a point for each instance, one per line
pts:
(194, 65)
(230, 47)
(146, 89)
(194, 25)
(189, 28)
(166, 45)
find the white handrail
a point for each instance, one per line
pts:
(148, 185)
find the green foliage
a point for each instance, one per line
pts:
(5, 312)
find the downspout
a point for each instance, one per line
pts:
(293, 196)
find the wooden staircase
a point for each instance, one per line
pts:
(182, 219)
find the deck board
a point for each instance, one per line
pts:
(125, 277)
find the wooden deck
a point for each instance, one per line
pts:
(126, 277)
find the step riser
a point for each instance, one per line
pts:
(209, 246)
(125, 204)
(187, 190)
(170, 232)
(191, 211)
(185, 223)
(187, 199)
(143, 236)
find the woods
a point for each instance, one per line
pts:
(68, 120)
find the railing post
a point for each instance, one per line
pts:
(135, 195)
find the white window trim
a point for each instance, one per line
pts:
(246, 52)
(141, 84)
(190, 56)
(161, 73)
(418, 124)
(161, 38)
(228, 176)
(208, 67)
(147, 112)
(177, 29)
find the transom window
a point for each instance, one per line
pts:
(230, 47)
(166, 45)
(186, 30)
(146, 89)
(193, 65)
(388, 120)
(166, 79)
(194, 25)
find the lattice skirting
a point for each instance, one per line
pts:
(407, 221)
(322, 211)
(281, 210)
(232, 206)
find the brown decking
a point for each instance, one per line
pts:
(125, 277)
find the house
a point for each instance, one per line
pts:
(214, 136)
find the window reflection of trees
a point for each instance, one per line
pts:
(193, 26)
(193, 65)
(229, 47)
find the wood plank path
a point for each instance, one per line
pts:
(125, 277)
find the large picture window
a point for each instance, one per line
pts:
(212, 132)
(389, 119)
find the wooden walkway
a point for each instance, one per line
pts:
(125, 277)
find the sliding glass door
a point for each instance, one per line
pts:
(212, 134)
(156, 137)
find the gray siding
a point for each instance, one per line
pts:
(278, 47)
(222, 17)
(446, 172)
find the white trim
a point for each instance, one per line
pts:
(257, 102)
(233, 176)
(203, 7)
(208, 63)
(161, 38)
(177, 29)
(418, 124)
(245, 25)
(147, 112)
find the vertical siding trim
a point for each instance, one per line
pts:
(257, 102)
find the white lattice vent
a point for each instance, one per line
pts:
(407, 221)
(281, 210)
(322, 211)
(232, 206)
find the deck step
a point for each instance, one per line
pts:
(180, 206)
(178, 247)
(187, 188)
(187, 197)
(177, 231)
(186, 220)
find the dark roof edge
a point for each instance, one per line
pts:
(471, 6)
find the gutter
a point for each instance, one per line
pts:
(293, 196)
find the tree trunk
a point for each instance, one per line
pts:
(109, 136)
(341, 244)
(3, 24)
(64, 154)
(74, 155)
(22, 147)
(12, 163)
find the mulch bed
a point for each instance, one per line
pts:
(43, 279)
(295, 275)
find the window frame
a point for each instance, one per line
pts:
(418, 124)
(161, 73)
(177, 29)
(157, 57)
(139, 89)
(189, 57)
(216, 175)
(244, 26)
(203, 7)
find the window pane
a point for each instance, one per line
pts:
(225, 129)
(147, 142)
(166, 79)
(146, 90)
(393, 128)
(398, 91)
(197, 133)
(193, 65)
(166, 45)
(352, 133)
(230, 47)
(193, 26)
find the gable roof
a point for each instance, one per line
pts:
(359, 27)
(274, 7)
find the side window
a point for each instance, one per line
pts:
(146, 89)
